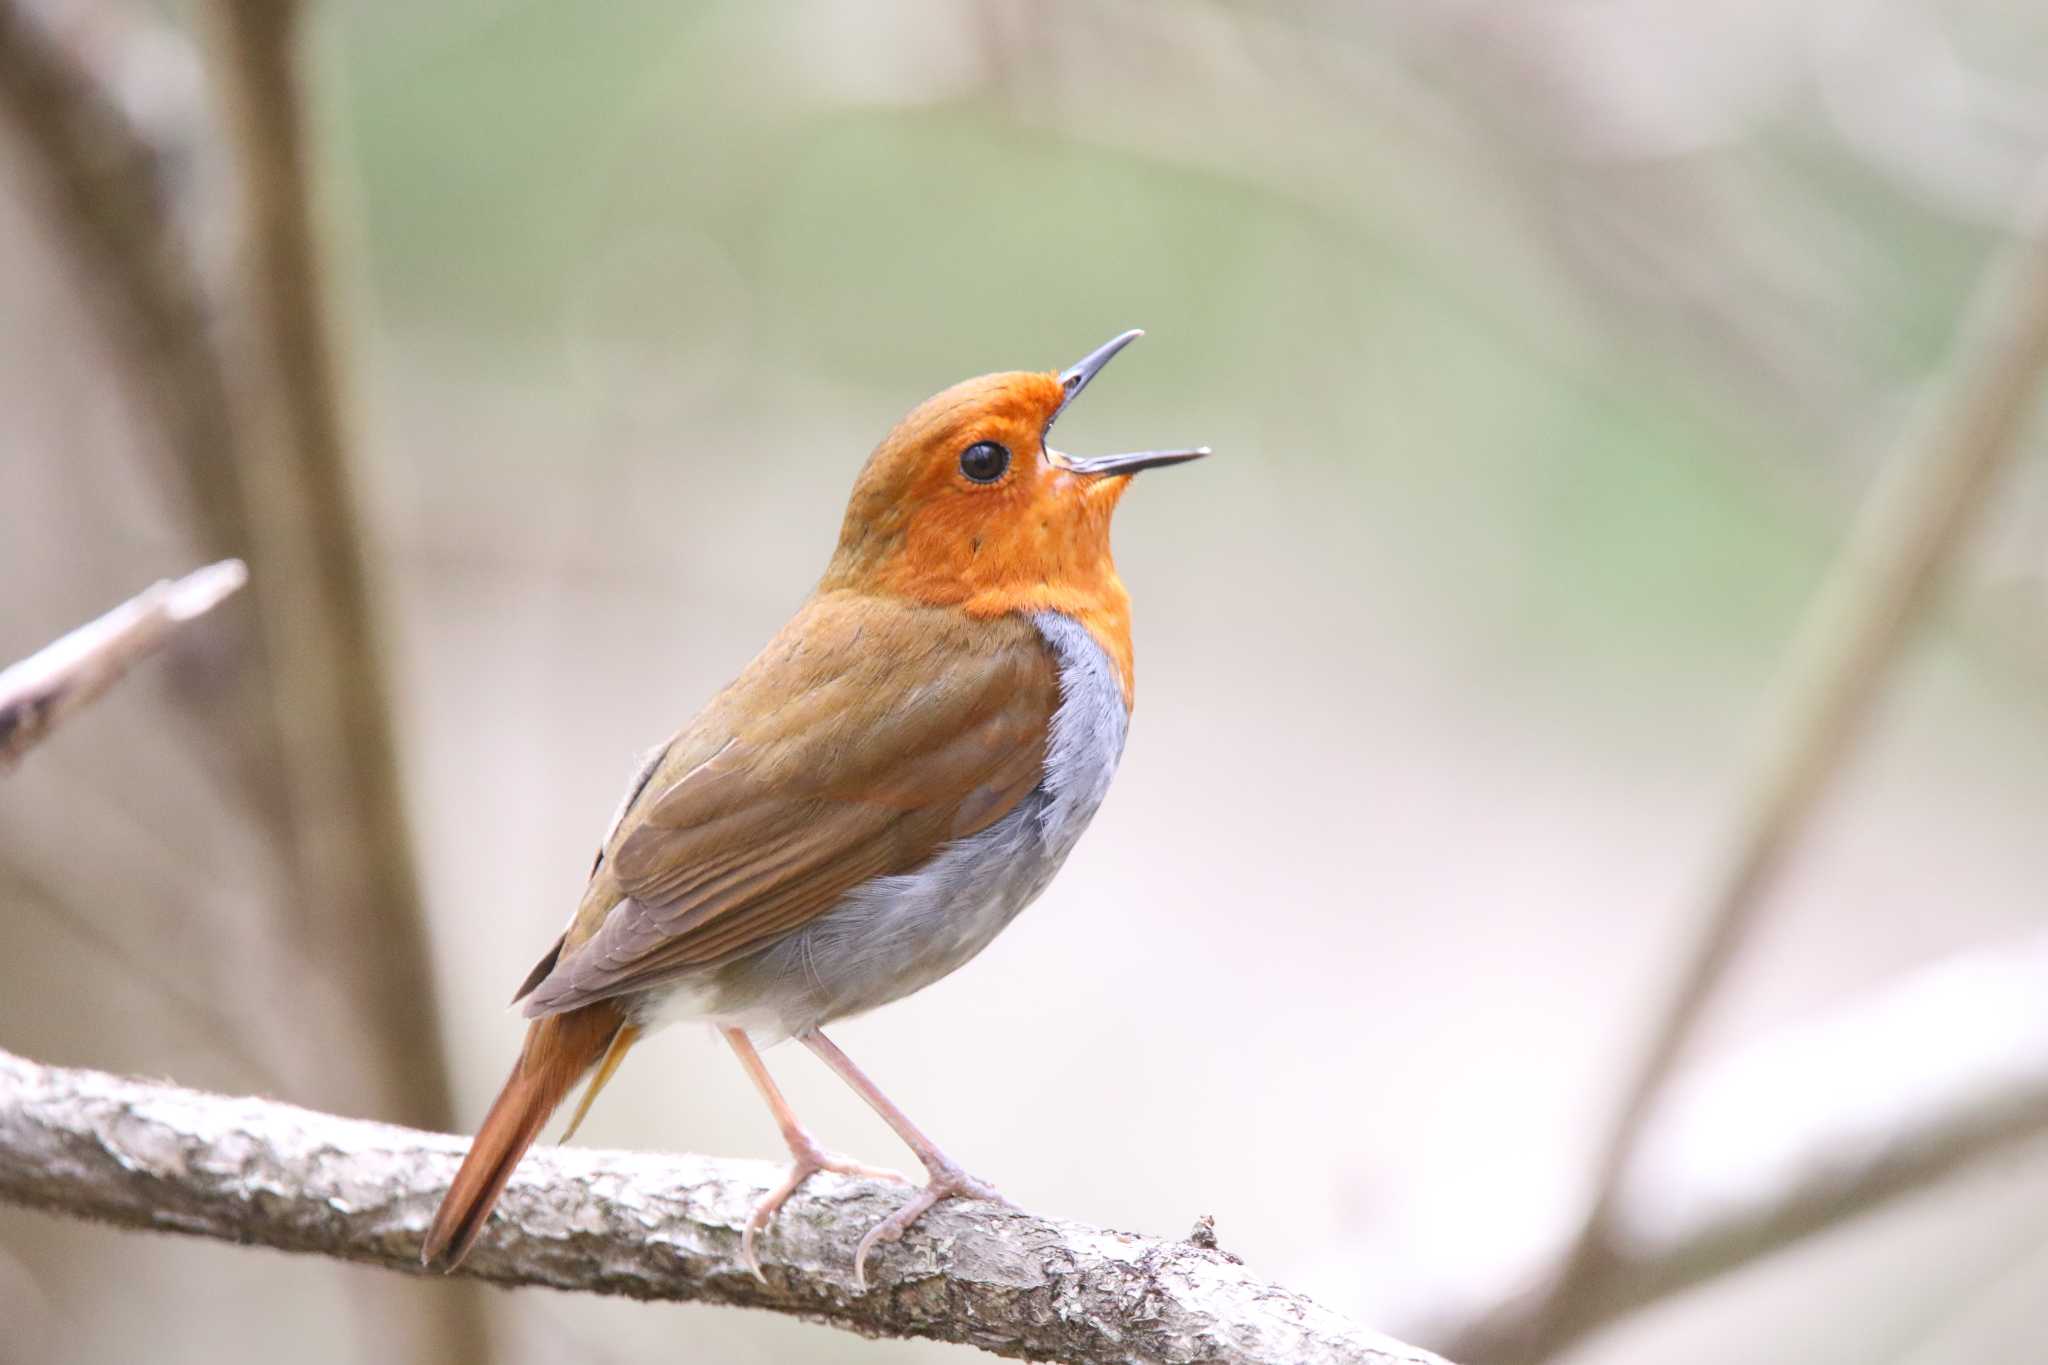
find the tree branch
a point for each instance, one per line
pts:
(1806, 1130)
(63, 676)
(140, 1155)
(1910, 528)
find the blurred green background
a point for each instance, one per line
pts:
(1546, 349)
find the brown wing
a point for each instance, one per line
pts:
(866, 735)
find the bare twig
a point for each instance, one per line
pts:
(58, 679)
(1810, 1128)
(1909, 530)
(85, 1144)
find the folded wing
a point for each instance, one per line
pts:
(868, 734)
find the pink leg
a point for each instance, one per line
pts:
(808, 1157)
(947, 1179)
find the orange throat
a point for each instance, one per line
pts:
(1051, 556)
(1033, 537)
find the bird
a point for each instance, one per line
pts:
(898, 773)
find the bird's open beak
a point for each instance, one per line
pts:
(1075, 379)
(1133, 461)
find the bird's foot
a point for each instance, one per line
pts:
(947, 1181)
(807, 1158)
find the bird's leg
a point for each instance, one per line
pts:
(807, 1157)
(947, 1180)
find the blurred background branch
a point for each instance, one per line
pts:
(360, 912)
(235, 372)
(1933, 489)
(1799, 1133)
(110, 105)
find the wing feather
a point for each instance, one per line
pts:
(869, 733)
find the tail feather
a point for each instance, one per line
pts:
(559, 1050)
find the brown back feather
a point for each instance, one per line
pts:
(869, 733)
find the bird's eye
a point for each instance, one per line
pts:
(984, 461)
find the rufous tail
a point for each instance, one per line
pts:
(559, 1050)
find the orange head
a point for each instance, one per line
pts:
(964, 504)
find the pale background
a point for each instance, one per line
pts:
(1545, 349)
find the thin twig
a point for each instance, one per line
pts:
(58, 679)
(85, 1144)
(1910, 529)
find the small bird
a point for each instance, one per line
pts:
(896, 776)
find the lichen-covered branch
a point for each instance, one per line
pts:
(61, 677)
(140, 1155)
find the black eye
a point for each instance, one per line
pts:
(984, 461)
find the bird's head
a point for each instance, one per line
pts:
(965, 504)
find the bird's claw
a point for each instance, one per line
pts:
(809, 1160)
(947, 1182)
